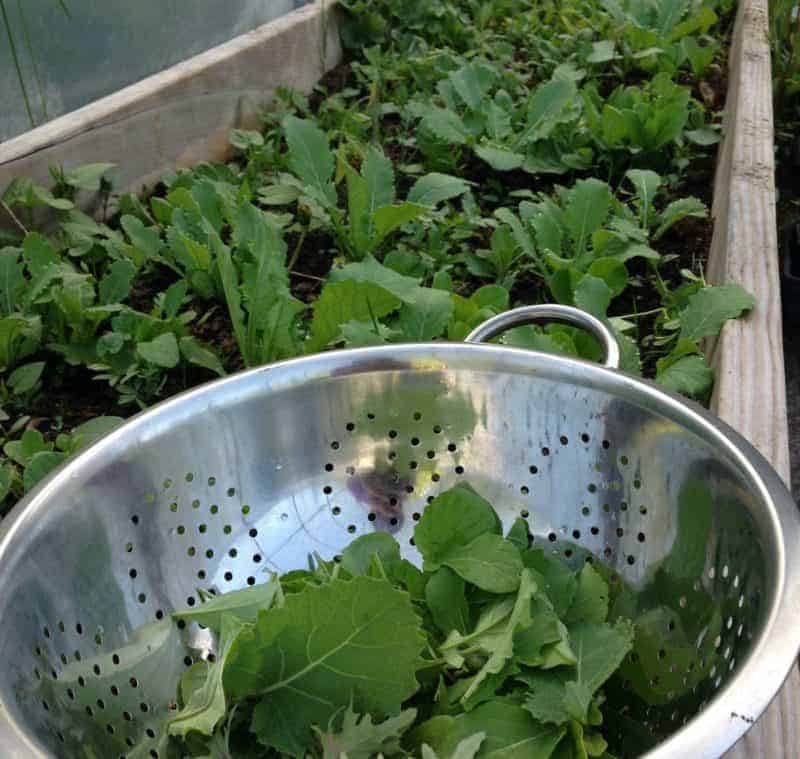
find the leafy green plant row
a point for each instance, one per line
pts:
(474, 157)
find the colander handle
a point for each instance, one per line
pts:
(549, 313)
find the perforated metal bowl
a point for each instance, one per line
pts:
(250, 474)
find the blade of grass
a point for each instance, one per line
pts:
(26, 36)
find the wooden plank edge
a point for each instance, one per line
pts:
(750, 391)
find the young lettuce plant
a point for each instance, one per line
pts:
(372, 213)
(248, 272)
(255, 283)
(646, 124)
(579, 242)
(36, 457)
(367, 303)
(138, 350)
(660, 36)
(538, 133)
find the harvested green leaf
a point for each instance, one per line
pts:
(359, 738)
(354, 641)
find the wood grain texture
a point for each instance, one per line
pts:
(182, 115)
(750, 392)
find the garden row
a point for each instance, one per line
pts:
(466, 158)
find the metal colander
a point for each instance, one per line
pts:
(216, 488)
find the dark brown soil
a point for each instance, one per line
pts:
(70, 399)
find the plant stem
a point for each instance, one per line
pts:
(306, 276)
(7, 208)
(13, 47)
(297, 249)
(643, 313)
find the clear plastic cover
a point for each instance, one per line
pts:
(59, 55)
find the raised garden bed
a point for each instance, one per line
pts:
(451, 146)
(750, 390)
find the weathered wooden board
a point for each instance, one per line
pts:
(183, 115)
(750, 393)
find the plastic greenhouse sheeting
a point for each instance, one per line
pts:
(71, 52)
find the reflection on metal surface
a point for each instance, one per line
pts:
(249, 475)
